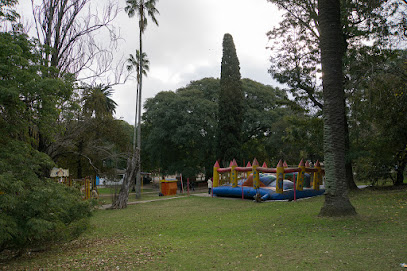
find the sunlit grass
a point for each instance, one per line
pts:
(195, 233)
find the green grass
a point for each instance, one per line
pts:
(112, 190)
(195, 233)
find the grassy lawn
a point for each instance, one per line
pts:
(106, 195)
(203, 233)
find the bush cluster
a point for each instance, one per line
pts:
(36, 212)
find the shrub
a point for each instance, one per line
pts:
(36, 212)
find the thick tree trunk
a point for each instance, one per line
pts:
(348, 161)
(400, 172)
(336, 196)
(122, 199)
(79, 163)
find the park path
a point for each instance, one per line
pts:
(203, 194)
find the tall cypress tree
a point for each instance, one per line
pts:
(230, 104)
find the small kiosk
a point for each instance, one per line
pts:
(168, 187)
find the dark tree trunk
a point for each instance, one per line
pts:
(138, 174)
(331, 44)
(122, 199)
(79, 166)
(401, 166)
(348, 161)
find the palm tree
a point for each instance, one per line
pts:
(97, 101)
(331, 44)
(134, 62)
(142, 9)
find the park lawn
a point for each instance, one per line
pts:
(203, 233)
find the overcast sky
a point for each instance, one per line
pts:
(187, 44)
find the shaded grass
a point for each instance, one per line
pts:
(194, 233)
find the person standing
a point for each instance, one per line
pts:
(210, 186)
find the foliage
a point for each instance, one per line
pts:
(379, 125)
(230, 104)
(191, 147)
(93, 147)
(97, 101)
(295, 60)
(29, 99)
(35, 212)
(367, 26)
(7, 13)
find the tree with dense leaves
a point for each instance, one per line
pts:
(31, 213)
(378, 121)
(180, 129)
(296, 58)
(337, 202)
(230, 104)
(98, 102)
(190, 148)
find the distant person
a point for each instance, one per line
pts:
(210, 183)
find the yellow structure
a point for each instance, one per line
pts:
(216, 174)
(300, 177)
(249, 172)
(256, 177)
(233, 173)
(87, 188)
(317, 176)
(280, 178)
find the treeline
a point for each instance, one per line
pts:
(180, 128)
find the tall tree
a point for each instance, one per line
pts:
(296, 61)
(142, 9)
(134, 62)
(30, 205)
(230, 104)
(331, 44)
(67, 30)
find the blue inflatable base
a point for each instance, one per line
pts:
(266, 194)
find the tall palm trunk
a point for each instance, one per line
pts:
(336, 196)
(138, 176)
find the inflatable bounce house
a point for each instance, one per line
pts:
(263, 183)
